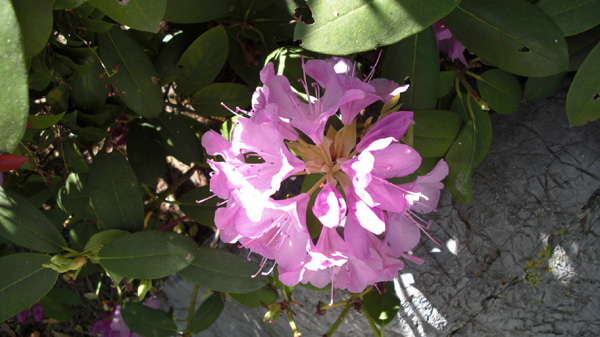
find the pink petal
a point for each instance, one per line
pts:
(402, 233)
(393, 125)
(330, 206)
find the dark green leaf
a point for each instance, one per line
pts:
(80, 233)
(414, 61)
(446, 82)
(288, 62)
(207, 313)
(148, 255)
(57, 304)
(246, 59)
(135, 79)
(74, 196)
(25, 284)
(257, 298)
(435, 131)
(581, 45)
(73, 157)
(203, 212)
(382, 308)
(58, 98)
(539, 88)
(202, 61)
(346, 27)
(583, 99)
(196, 11)
(100, 239)
(513, 35)
(573, 16)
(501, 90)
(147, 321)
(23, 224)
(169, 55)
(460, 159)
(219, 270)
(115, 194)
(90, 90)
(44, 122)
(67, 4)
(482, 124)
(35, 19)
(14, 97)
(178, 139)
(138, 14)
(146, 153)
(312, 222)
(207, 101)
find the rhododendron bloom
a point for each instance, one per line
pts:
(365, 221)
(447, 43)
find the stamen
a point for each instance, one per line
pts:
(207, 198)
(237, 109)
(422, 229)
(270, 270)
(372, 73)
(262, 264)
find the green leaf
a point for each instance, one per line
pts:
(178, 139)
(90, 90)
(148, 255)
(169, 55)
(142, 15)
(435, 131)
(539, 88)
(57, 304)
(147, 321)
(202, 61)
(100, 239)
(79, 232)
(35, 19)
(67, 4)
(73, 157)
(44, 122)
(115, 193)
(581, 45)
(513, 35)
(14, 97)
(583, 98)
(446, 82)
(482, 124)
(203, 212)
(573, 16)
(135, 79)
(287, 62)
(196, 11)
(25, 284)
(414, 61)
(313, 224)
(219, 270)
(146, 153)
(350, 26)
(74, 196)
(207, 313)
(460, 159)
(257, 298)
(382, 308)
(207, 101)
(501, 90)
(23, 224)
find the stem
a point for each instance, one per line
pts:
(317, 185)
(292, 323)
(339, 320)
(172, 223)
(191, 312)
(373, 327)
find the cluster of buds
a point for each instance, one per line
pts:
(367, 222)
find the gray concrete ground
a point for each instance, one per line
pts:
(521, 260)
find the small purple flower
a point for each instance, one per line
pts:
(448, 43)
(37, 311)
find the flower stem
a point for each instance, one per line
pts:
(316, 185)
(339, 320)
(191, 312)
(373, 327)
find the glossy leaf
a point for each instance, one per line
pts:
(25, 284)
(194, 204)
(539, 88)
(257, 298)
(147, 321)
(135, 79)
(178, 139)
(513, 35)
(57, 304)
(482, 124)
(23, 224)
(148, 255)
(44, 122)
(196, 11)
(219, 270)
(100, 239)
(208, 312)
(446, 82)
(346, 27)
(207, 101)
(382, 308)
(115, 193)
(67, 4)
(169, 55)
(202, 61)
(501, 90)
(142, 15)
(35, 19)
(90, 90)
(581, 45)
(414, 61)
(14, 97)
(74, 196)
(435, 131)
(73, 158)
(146, 153)
(583, 98)
(573, 16)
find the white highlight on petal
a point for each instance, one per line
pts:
(452, 245)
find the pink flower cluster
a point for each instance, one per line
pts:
(367, 221)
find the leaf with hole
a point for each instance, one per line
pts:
(148, 255)
(219, 270)
(513, 35)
